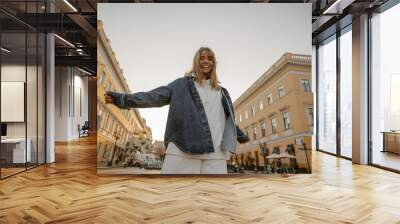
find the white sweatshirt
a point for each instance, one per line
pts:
(212, 102)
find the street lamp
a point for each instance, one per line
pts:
(264, 151)
(305, 151)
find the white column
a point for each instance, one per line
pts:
(360, 90)
(314, 90)
(50, 94)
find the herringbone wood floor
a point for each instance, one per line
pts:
(69, 191)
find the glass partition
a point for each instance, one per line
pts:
(385, 89)
(13, 86)
(327, 95)
(22, 77)
(346, 93)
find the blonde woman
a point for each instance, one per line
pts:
(201, 129)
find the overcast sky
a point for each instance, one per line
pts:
(155, 43)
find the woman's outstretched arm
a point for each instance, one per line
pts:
(157, 97)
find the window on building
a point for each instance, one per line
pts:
(246, 115)
(240, 118)
(263, 128)
(286, 120)
(254, 132)
(281, 91)
(106, 121)
(99, 117)
(306, 85)
(269, 98)
(261, 105)
(273, 125)
(310, 115)
(246, 130)
(110, 126)
(101, 78)
(109, 86)
(253, 111)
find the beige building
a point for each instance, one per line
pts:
(276, 112)
(120, 132)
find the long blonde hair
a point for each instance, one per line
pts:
(198, 74)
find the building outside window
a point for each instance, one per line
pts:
(305, 84)
(270, 100)
(273, 125)
(281, 91)
(263, 129)
(261, 105)
(286, 120)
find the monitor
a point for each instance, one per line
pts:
(3, 129)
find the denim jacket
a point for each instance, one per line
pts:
(187, 124)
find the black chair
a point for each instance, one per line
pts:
(84, 130)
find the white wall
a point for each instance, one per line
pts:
(71, 93)
(12, 73)
(34, 124)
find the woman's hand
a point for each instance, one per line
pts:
(108, 98)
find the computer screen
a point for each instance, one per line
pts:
(3, 129)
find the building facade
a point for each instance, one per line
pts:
(121, 133)
(276, 112)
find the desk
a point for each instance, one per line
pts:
(391, 141)
(13, 150)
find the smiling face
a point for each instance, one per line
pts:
(206, 63)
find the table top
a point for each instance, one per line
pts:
(14, 140)
(391, 132)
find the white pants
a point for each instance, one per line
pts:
(174, 164)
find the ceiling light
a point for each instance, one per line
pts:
(5, 50)
(70, 5)
(329, 9)
(338, 6)
(84, 71)
(65, 41)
